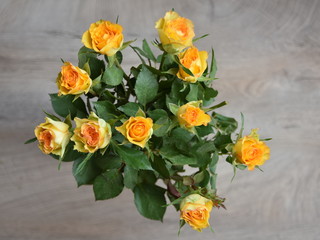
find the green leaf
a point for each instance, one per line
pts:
(150, 201)
(147, 51)
(106, 110)
(213, 182)
(203, 36)
(160, 166)
(147, 176)
(31, 140)
(108, 185)
(175, 157)
(204, 130)
(213, 163)
(130, 109)
(126, 44)
(173, 108)
(202, 178)
(193, 93)
(52, 116)
(64, 105)
(176, 58)
(130, 177)
(87, 174)
(222, 141)
(161, 120)
(112, 76)
(133, 157)
(140, 113)
(146, 87)
(213, 67)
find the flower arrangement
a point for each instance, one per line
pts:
(141, 130)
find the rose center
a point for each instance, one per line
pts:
(46, 137)
(90, 134)
(139, 129)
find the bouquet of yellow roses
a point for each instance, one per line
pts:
(142, 129)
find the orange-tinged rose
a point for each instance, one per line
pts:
(195, 61)
(53, 136)
(175, 32)
(137, 130)
(73, 80)
(250, 151)
(104, 37)
(195, 210)
(91, 134)
(190, 115)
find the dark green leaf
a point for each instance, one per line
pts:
(174, 156)
(84, 55)
(108, 185)
(107, 161)
(64, 105)
(150, 201)
(96, 67)
(88, 173)
(52, 116)
(147, 176)
(227, 125)
(146, 87)
(70, 154)
(160, 166)
(130, 177)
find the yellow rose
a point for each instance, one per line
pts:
(53, 136)
(250, 151)
(190, 115)
(195, 61)
(195, 210)
(73, 80)
(91, 134)
(175, 32)
(137, 130)
(104, 37)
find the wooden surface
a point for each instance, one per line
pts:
(268, 55)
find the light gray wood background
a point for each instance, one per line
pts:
(268, 54)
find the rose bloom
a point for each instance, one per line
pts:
(91, 134)
(250, 151)
(137, 130)
(195, 210)
(190, 115)
(53, 136)
(73, 80)
(175, 32)
(103, 37)
(195, 61)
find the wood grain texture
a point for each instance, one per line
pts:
(268, 54)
